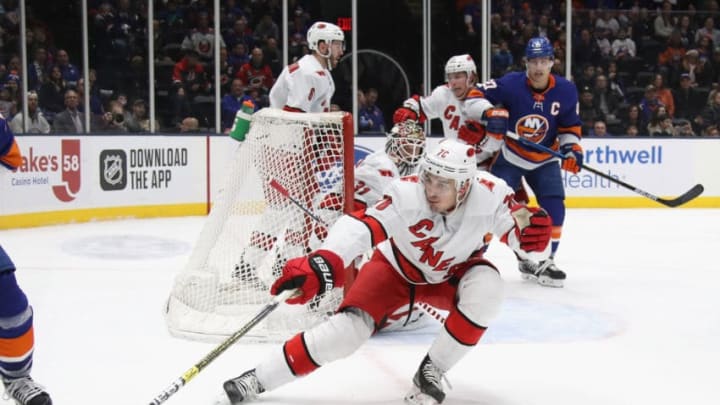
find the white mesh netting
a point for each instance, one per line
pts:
(253, 229)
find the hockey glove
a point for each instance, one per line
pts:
(573, 157)
(472, 132)
(533, 227)
(410, 110)
(496, 121)
(314, 274)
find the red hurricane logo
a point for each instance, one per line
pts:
(532, 127)
(70, 159)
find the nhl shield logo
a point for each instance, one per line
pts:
(113, 169)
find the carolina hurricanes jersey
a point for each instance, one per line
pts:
(443, 104)
(10, 156)
(305, 85)
(372, 175)
(426, 247)
(549, 117)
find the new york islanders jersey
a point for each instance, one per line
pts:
(549, 118)
(443, 104)
(423, 246)
(305, 86)
(372, 175)
(10, 156)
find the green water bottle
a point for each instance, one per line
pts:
(242, 121)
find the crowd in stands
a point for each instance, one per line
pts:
(641, 67)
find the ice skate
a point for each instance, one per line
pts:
(427, 385)
(244, 388)
(545, 273)
(25, 391)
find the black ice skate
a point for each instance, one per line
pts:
(25, 391)
(427, 385)
(546, 273)
(244, 388)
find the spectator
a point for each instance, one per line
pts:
(273, 56)
(240, 34)
(238, 56)
(70, 120)
(502, 59)
(202, 39)
(660, 124)
(708, 31)
(623, 47)
(257, 73)
(633, 117)
(70, 73)
(606, 98)
(615, 83)
(698, 69)
(683, 127)
(587, 79)
(589, 112)
(189, 124)
(37, 71)
(632, 130)
(649, 103)
(137, 120)
(232, 102)
(96, 107)
(711, 132)
(670, 59)
(686, 31)
(180, 106)
(607, 22)
(664, 94)
(371, 114)
(711, 113)
(37, 123)
(266, 28)
(7, 104)
(603, 44)
(663, 24)
(52, 92)
(298, 47)
(599, 129)
(688, 101)
(190, 74)
(114, 119)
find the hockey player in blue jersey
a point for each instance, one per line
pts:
(543, 109)
(16, 315)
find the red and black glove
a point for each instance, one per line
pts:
(410, 110)
(313, 274)
(472, 132)
(573, 157)
(533, 227)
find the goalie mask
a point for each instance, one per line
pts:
(405, 145)
(454, 160)
(462, 63)
(324, 31)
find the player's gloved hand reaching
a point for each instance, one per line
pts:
(472, 132)
(496, 121)
(410, 110)
(313, 274)
(573, 157)
(533, 227)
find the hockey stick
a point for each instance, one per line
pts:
(197, 368)
(282, 190)
(687, 196)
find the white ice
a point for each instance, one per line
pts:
(638, 321)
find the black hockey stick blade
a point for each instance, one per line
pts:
(686, 197)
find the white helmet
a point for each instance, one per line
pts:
(406, 145)
(452, 159)
(323, 31)
(460, 63)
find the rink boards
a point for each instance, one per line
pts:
(95, 177)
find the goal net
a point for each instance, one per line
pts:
(253, 229)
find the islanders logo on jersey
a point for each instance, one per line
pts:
(532, 127)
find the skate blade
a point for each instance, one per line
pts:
(549, 282)
(528, 277)
(417, 397)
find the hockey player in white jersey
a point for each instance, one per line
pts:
(404, 147)
(427, 231)
(307, 85)
(464, 112)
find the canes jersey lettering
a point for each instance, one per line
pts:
(426, 247)
(372, 175)
(443, 104)
(545, 117)
(303, 86)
